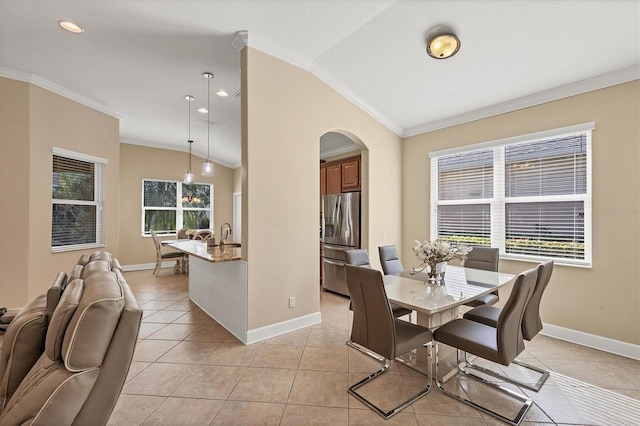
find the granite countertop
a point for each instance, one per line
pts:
(213, 254)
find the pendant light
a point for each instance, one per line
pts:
(188, 177)
(207, 166)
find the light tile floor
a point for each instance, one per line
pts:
(187, 369)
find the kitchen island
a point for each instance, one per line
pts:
(218, 283)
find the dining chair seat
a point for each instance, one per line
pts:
(375, 328)
(500, 344)
(360, 257)
(531, 325)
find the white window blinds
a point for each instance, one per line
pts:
(529, 196)
(77, 201)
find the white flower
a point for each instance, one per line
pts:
(439, 251)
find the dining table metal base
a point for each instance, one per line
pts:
(421, 360)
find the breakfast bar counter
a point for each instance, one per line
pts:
(218, 283)
(200, 249)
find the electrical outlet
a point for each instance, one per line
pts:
(292, 302)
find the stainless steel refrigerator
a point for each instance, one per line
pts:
(340, 232)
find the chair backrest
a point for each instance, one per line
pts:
(373, 325)
(357, 257)
(23, 341)
(203, 234)
(87, 353)
(509, 329)
(182, 234)
(531, 322)
(390, 260)
(485, 258)
(156, 241)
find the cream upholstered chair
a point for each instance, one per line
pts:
(86, 356)
(160, 256)
(389, 260)
(375, 328)
(485, 258)
(182, 234)
(22, 343)
(531, 326)
(500, 344)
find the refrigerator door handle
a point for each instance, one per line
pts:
(333, 262)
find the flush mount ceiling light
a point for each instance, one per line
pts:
(222, 93)
(207, 166)
(443, 46)
(71, 27)
(188, 177)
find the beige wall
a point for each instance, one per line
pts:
(14, 196)
(285, 111)
(237, 179)
(36, 121)
(138, 163)
(602, 300)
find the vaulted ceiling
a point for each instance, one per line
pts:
(137, 59)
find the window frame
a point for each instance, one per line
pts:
(179, 209)
(99, 185)
(499, 201)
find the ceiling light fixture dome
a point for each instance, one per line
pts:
(207, 167)
(443, 46)
(71, 27)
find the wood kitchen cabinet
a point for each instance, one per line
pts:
(340, 176)
(334, 178)
(351, 175)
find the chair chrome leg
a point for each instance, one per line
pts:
(365, 351)
(526, 402)
(385, 414)
(534, 387)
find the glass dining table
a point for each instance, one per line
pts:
(439, 303)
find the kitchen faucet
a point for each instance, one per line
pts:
(225, 231)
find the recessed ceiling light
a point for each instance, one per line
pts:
(202, 110)
(71, 27)
(222, 93)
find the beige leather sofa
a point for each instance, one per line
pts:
(82, 363)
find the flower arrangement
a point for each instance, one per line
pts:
(436, 252)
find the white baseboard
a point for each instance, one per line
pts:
(147, 266)
(605, 344)
(273, 330)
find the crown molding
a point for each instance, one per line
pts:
(338, 151)
(59, 90)
(327, 78)
(572, 89)
(241, 40)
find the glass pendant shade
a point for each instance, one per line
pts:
(188, 177)
(207, 168)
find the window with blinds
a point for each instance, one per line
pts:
(530, 196)
(170, 205)
(77, 201)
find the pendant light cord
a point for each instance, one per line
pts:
(208, 113)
